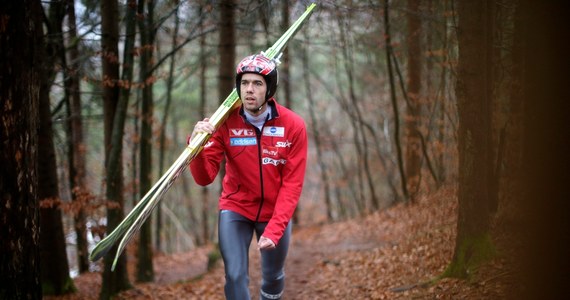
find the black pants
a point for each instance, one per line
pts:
(235, 233)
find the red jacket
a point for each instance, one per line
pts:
(265, 169)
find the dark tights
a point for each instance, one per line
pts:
(235, 233)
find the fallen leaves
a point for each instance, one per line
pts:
(397, 253)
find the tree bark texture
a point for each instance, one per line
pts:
(20, 41)
(226, 48)
(473, 244)
(145, 271)
(114, 113)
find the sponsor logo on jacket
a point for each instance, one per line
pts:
(272, 161)
(241, 132)
(245, 141)
(285, 144)
(274, 131)
(242, 137)
(270, 152)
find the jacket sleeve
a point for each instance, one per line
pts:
(293, 176)
(205, 166)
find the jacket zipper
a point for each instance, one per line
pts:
(258, 133)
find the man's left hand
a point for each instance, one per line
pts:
(265, 244)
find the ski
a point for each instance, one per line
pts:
(140, 213)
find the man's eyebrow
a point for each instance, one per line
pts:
(251, 80)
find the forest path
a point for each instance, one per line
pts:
(386, 255)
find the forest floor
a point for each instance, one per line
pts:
(397, 253)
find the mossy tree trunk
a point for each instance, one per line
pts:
(473, 244)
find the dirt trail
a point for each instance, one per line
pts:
(305, 254)
(386, 255)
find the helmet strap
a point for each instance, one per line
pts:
(261, 106)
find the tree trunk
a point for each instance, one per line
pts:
(284, 74)
(77, 181)
(20, 39)
(399, 156)
(413, 113)
(114, 110)
(473, 244)
(226, 52)
(205, 191)
(226, 49)
(126, 86)
(54, 265)
(145, 272)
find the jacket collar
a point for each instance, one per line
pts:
(271, 104)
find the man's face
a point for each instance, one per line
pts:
(253, 90)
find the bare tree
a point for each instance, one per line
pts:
(145, 272)
(77, 145)
(53, 254)
(284, 73)
(114, 110)
(397, 137)
(205, 194)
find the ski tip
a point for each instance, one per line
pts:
(311, 7)
(115, 262)
(101, 249)
(97, 254)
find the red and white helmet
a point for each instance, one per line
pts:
(259, 64)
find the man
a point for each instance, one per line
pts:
(265, 146)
